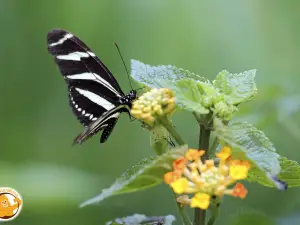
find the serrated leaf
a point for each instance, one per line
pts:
(148, 173)
(237, 88)
(290, 172)
(152, 75)
(138, 219)
(250, 143)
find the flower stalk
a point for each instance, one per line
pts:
(200, 214)
(170, 128)
(180, 207)
(214, 209)
(154, 109)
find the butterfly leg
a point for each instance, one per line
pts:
(170, 142)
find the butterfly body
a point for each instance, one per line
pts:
(95, 96)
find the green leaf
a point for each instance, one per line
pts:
(137, 219)
(237, 88)
(189, 94)
(152, 75)
(148, 173)
(249, 143)
(290, 172)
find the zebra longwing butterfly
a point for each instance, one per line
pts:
(94, 94)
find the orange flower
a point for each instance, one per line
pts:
(179, 164)
(239, 190)
(171, 176)
(194, 154)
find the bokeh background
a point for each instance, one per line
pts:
(205, 37)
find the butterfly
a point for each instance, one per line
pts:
(95, 96)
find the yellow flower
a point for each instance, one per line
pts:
(191, 175)
(156, 102)
(200, 200)
(179, 186)
(224, 154)
(239, 169)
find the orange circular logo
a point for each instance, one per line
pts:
(10, 203)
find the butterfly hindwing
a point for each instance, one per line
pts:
(109, 128)
(106, 123)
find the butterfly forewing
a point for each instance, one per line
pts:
(94, 94)
(88, 106)
(74, 58)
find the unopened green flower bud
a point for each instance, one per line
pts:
(207, 101)
(224, 111)
(218, 98)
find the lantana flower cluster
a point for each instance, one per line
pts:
(156, 102)
(204, 180)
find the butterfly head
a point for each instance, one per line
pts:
(129, 98)
(132, 95)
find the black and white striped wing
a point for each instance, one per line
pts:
(92, 88)
(106, 123)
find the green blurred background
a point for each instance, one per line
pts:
(205, 37)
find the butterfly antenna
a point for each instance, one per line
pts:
(124, 64)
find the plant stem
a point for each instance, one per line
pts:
(199, 214)
(204, 140)
(212, 150)
(214, 213)
(184, 217)
(168, 125)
